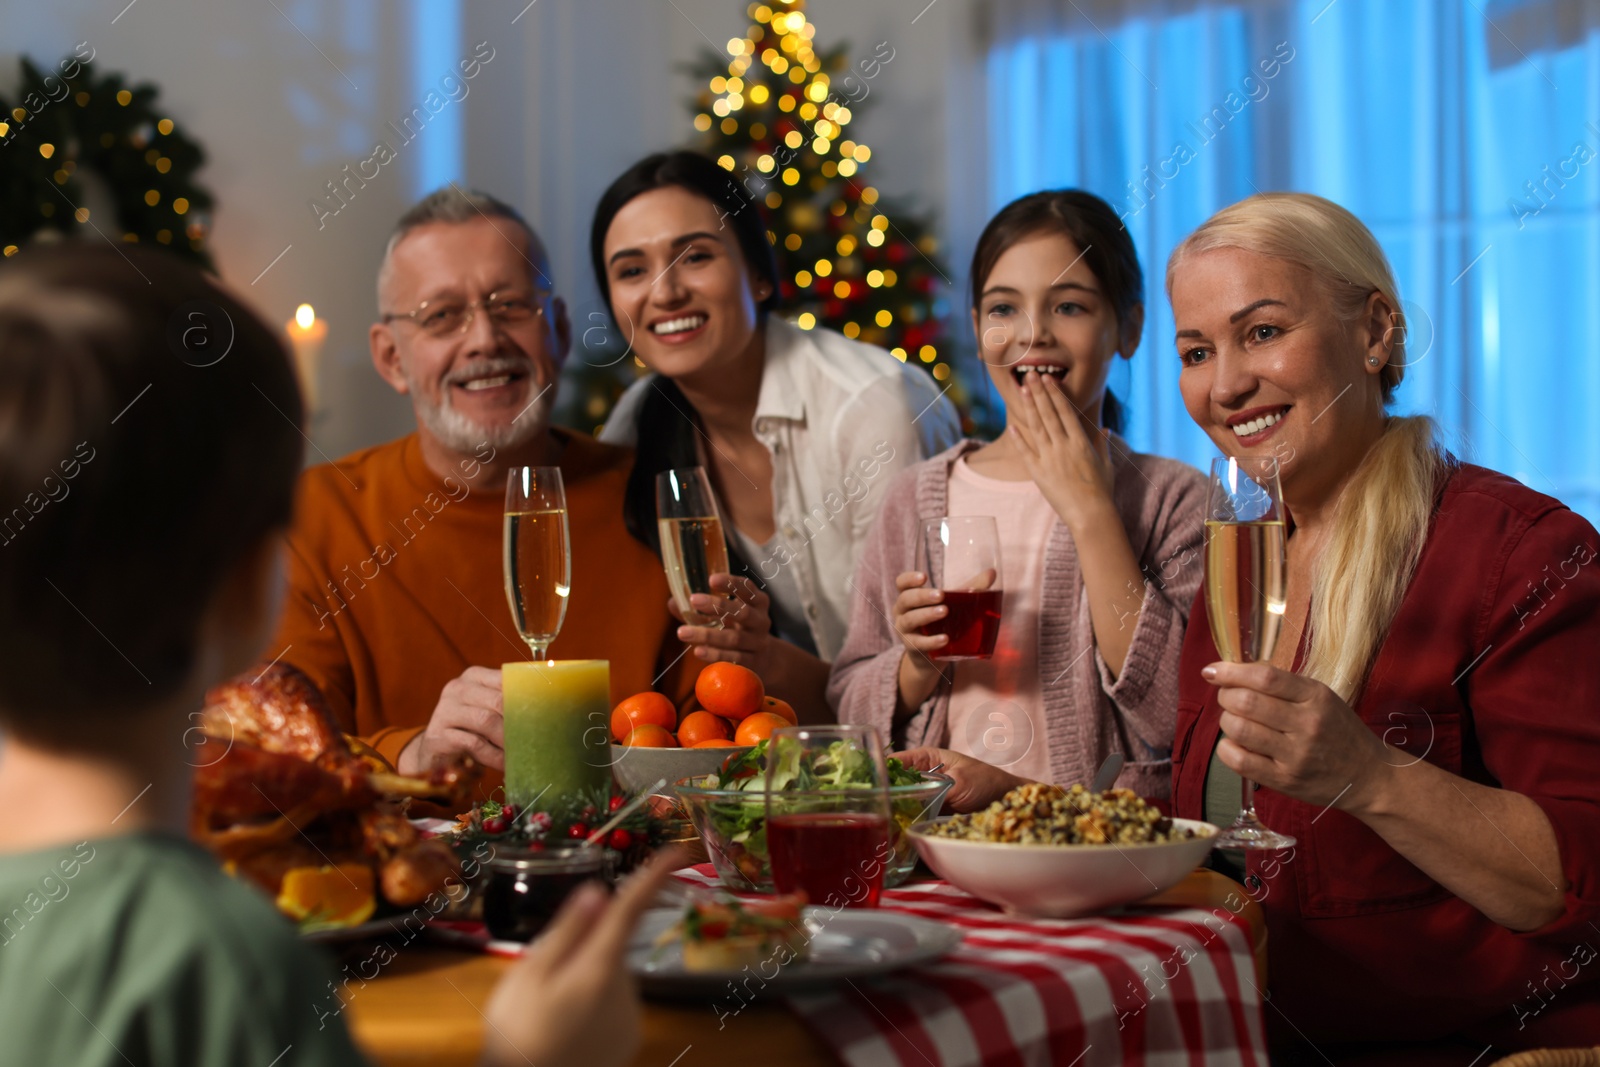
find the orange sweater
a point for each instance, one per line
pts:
(395, 587)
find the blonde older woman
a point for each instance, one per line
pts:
(1429, 728)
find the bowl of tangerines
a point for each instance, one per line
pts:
(653, 741)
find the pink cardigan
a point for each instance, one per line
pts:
(1088, 713)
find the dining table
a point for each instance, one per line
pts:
(426, 1003)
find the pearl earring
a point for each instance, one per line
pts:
(1372, 360)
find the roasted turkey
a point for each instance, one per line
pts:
(279, 787)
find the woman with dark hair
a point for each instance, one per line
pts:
(1098, 544)
(799, 430)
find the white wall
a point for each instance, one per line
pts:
(576, 90)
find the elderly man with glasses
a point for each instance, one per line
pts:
(397, 606)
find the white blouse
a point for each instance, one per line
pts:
(840, 419)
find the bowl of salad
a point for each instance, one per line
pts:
(729, 810)
(1056, 853)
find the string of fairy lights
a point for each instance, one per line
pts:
(779, 121)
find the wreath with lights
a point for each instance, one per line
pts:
(68, 121)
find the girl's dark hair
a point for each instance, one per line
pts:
(1099, 234)
(149, 438)
(667, 422)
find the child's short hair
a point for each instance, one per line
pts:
(149, 437)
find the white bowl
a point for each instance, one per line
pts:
(1063, 881)
(637, 768)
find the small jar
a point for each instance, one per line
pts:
(525, 889)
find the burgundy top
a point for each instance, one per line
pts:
(1491, 671)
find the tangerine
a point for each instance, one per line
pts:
(758, 727)
(698, 726)
(729, 690)
(650, 736)
(780, 707)
(642, 709)
(715, 742)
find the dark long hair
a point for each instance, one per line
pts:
(1097, 231)
(667, 423)
(149, 438)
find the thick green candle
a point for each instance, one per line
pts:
(557, 715)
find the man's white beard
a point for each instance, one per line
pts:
(461, 434)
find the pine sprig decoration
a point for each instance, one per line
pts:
(564, 823)
(73, 121)
(775, 112)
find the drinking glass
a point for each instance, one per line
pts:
(692, 546)
(832, 844)
(963, 557)
(538, 554)
(1246, 576)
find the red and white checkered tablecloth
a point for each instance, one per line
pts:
(1148, 986)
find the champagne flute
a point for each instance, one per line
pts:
(1246, 579)
(832, 844)
(692, 546)
(538, 554)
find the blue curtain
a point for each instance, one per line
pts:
(1465, 135)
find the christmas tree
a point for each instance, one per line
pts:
(69, 121)
(775, 115)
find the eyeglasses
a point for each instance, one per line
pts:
(446, 318)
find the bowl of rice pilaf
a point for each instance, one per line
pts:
(1050, 852)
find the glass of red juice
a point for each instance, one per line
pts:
(963, 562)
(828, 814)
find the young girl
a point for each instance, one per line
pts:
(1099, 546)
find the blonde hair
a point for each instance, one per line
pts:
(1381, 519)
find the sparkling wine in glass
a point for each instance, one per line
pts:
(692, 546)
(832, 844)
(963, 555)
(538, 554)
(1246, 580)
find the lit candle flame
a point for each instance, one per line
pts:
(304, 316)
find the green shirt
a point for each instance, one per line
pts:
(139, 950)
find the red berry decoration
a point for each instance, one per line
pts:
(509, 811)
(620, 839)
(578, 830)
(497, 825)
(617, 802)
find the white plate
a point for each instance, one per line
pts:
(852, 943)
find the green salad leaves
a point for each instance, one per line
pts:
(839, 766)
